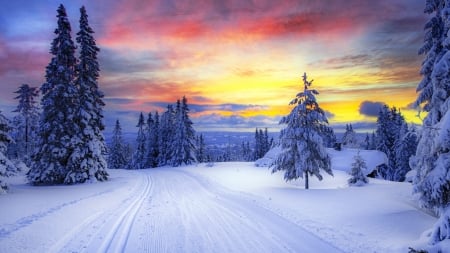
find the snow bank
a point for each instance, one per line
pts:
(340, 160)
(379, 217)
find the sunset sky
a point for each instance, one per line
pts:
(239, 62)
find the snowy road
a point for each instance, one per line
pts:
(160, 210)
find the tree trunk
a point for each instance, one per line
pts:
(306, 181)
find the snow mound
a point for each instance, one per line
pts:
(340, 160)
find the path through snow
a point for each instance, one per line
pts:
(155, 210)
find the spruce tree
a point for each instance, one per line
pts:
(59, 102)
(138, 158)
(7, 168)
(26, 122)
(167, 135)
(201, 149)
(367, 142)
(184, 141)
(358, 178)
(389, 124)
(303, 151)
(405, 148)
(87, 162)
(117, 151)
(349, 138)
(432, 158)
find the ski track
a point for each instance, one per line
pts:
(107, 231)
(172, 210)
(29, 220)
(188, 214)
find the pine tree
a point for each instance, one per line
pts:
(349, 138)
(138, 158)
(148, 134)
(303, 152)
(201, 149)
(154, 141)
(184, 144)
(373, 142)
(358, 178)
(432, 159)
(26, 123)
(7, 168)
(87, 162)
(117, 151)
(405, 147)
(367, 142)
(389, 124)
(59, 102)
(167, 133)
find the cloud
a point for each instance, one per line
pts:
(346, 61)
(371, 109)
(215, 121)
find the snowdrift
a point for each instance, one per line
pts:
(340, 160)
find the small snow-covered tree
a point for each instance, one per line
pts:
(200, 148)
(303, 152)
(117, 150)
(87, 161)
(138, 158)
(26, 122)
(358, 178)
(7, 168)
(367, 142)
(349, 138)
(59, 102)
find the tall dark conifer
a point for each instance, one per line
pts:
(59, 103)
(87, 161)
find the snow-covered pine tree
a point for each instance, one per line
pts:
(358, 178)
(154, 141)
(117, 151)
(59, 102)
(201, 149)
(432, 159)
(7, 168)
(349, 138)
(26, 122)
(184, 141)
(389, 124)
(149, 135)
(373, 142)
(166, 133)
(367, 142)
(87, 162)
(405, 147)
(138, 158)
(303, 152)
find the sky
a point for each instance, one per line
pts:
(238, 62)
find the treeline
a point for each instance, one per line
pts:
(167, 139)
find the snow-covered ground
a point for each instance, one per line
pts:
(229, 207)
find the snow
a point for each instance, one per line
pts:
(340, 160)
(229, 207)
